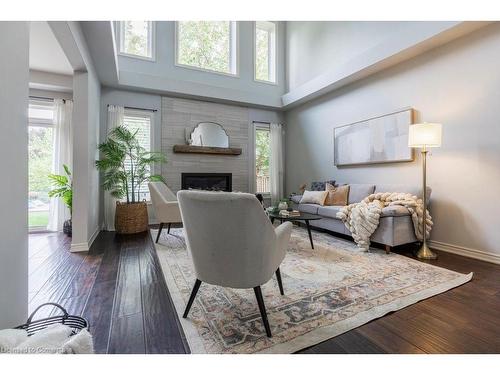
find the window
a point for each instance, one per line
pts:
(136, 38)
(262, 154)
(140, 120)
(207, 45)
(265, 51)
(40, 154)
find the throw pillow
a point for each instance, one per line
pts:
(337, 195)
(320, 185)
(314, 197)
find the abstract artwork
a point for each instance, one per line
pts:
(382, 139)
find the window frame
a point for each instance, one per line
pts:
(136, 112)
(40, 123)
(259, 125)
(272, 53)
(234, 52)
(151, 42)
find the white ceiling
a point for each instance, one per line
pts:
(46, 54)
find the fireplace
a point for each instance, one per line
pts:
(207, 181)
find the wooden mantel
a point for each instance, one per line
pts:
(189, 149)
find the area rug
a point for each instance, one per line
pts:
(328, 291)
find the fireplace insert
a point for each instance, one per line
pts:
(207, 181)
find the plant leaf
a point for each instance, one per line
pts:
(66, 169)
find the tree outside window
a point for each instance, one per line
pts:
(136, 38)
(265, 51)
(207, 45)
(262, 155)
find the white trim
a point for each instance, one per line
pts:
(151, 42)
(234, 42)
(85, 246)
(465, 251)
(274, 54)
(137, 57)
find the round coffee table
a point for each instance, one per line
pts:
(304, 216)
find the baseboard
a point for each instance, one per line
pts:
(465, 251)
(85, 246)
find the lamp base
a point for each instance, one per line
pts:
(425, 252)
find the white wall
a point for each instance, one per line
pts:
(86, 132)
(315, 47)
(164, 75)
(14, 78)
(50, 81)
(458, 85)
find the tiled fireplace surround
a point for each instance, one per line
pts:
(181, 114)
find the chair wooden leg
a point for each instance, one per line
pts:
(388, 249)
(159, 232)
(280, 283)
(191, 298)
(262, 308)
(168, 229)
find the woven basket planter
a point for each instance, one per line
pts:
(131, 217)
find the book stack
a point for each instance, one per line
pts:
(286, 213)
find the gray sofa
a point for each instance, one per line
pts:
(395, 227)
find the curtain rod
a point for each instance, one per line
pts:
(139, 109)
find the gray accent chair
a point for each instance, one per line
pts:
(165, 205)
(395, 227)
(232, 243)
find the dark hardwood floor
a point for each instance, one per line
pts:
(118, 286)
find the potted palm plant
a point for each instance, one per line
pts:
(63, 188)
(126, 166)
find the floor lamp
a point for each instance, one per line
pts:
(424, 136)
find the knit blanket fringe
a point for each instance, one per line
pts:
(363, 218)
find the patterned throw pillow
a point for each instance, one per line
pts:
(320, 185)
(337, 195)
(314, 197)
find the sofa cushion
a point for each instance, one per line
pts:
(337, 195)
(357, 192)
(309, 208)
(329, 211)
(320, 185)
(395, 210)
(295, 198)
(314, 197)
(399, 188)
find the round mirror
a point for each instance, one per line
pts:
(209, 134)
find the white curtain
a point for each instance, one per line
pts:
(115, 119)
(62, 154)
(276, 164)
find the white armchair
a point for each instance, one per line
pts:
(165, 205)
(232, 242)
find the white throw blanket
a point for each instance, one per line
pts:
(362, 218)
(55, 339)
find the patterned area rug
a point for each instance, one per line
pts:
(328, 291)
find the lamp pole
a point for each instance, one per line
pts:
(424, 252)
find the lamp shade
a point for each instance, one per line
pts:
(424, 135)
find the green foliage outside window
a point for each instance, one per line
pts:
(40, 160)
(262, 55)
(262, 151)
(136, 38)
(205, 45)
